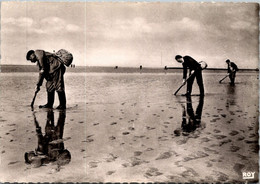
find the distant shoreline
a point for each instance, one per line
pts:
(106, 69)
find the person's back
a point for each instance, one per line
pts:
(234, 66)
(191, 63)
(50, 61)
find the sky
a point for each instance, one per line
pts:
(132, 33)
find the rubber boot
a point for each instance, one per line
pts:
(62, 99)
(50, 100)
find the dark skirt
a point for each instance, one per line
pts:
(55, 79)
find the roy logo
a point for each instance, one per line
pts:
(248, 175)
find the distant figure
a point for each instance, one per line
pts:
(50, 147)
(195, 70)
(190, 120)
(141, 67)
(51, 69)
(232, 69)
(116, 67)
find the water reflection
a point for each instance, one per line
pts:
(50, 147)
(190, 120)
(231, 98)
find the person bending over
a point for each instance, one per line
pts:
(195, 71)
(52, 70)
(232, 69)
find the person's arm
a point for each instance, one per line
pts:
(40, 80)
(234, 66)
(40, 57)
(228, 69)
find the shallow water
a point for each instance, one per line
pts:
(122, 127)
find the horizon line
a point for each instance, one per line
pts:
(143, 67)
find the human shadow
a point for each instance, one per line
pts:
(190, 120)
(50, 147)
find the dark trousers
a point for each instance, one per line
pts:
(55, 82)
(232, 76)
(198, 75)
(61, 95)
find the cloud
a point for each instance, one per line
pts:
(243, 25)
(13, 25)
(20, 22)
(120, 28)
(48, 25)
(55, 25)
(52, 25)
(187, 23)
(72, 28)
(140, 28)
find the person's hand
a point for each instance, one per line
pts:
(37, 89)
(192, 72)
(183, 81)
(41, 71)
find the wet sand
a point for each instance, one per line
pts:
(120, 128)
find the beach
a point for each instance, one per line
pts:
(127, 127)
